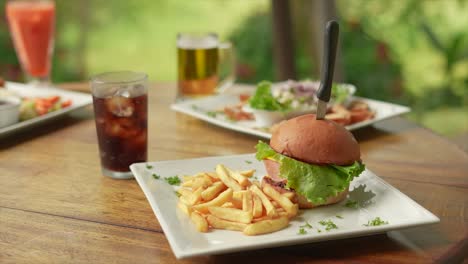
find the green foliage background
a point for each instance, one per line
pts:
(407, 51)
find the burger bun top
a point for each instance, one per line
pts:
(314, 141)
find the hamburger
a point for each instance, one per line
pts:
(316, 159)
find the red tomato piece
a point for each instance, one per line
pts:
(66, 103)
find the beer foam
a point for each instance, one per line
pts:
(190, 42)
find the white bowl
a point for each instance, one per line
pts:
(9, 110)
(265, 118)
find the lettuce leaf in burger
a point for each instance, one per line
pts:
(317, 159)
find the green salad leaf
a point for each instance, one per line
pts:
(315, 182)
(27, 110)
(339, 93)
(263, 99)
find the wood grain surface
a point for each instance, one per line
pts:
(56, 207)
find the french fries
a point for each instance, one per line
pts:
(257, 184)
(203, 181)
(284, 202)
(184, 208)
(266, 226)
(247, 202)
(220, 200)
(247, 173)
(186, 178)
(224, 176)
(213, 190)
(194, 197)
(213, 175)
(200, 222)
(227, 199)
(231, 214)
(257, 207)
(228, 205)
(218, 223)
(237, 195)
(270, 209)
(184, 191)
(241, 179)
(237, 198)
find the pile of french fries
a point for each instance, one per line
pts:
(227, 199)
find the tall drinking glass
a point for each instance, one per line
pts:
(205, 65)
(121, 113)
(32, 26)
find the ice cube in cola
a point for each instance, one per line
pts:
(121, 124)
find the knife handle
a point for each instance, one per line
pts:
(328, 62)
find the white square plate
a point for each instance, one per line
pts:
(201, 109)
(79, 100)
(375, 197)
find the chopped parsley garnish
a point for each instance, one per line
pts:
(329, 225)
(248, 161)
(318, 230)
(156, 176)
(149, 167)
(174, 180)
(178, 194)
(306, 225)
(339, 216)
(351, 204)
(302, 231)
(208, 113)
(211, 114)
(376, 222)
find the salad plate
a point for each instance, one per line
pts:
(217, 110)
(370, 199)
(76, 100)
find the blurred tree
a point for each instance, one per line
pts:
(283, 44)
(310, 19)
(255, 62)
(454, 88)
(368, 65)
(366, 61)
(71, 34)
(428, 39)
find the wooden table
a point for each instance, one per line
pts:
(56, 207)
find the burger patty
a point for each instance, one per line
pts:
(279, 186)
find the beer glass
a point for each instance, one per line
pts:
(205, 66)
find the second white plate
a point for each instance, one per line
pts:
(204, 108)
(79, 100)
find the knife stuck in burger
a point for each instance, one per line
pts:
(315, 158)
